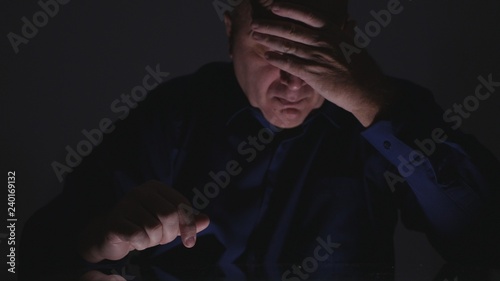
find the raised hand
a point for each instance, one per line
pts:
(306, 45)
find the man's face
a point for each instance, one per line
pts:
(285, 100)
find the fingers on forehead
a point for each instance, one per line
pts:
(265, 3)
(289, 31)
(327, 11)
(300, 13)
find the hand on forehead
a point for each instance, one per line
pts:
(333, 10)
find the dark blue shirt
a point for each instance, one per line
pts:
(319, 200)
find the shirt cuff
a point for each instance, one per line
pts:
(381, 135)
(448, 208)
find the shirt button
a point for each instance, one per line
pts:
(387, 144)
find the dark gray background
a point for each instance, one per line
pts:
(65, 79)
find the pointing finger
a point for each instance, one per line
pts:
(190, 223)
(187, 225)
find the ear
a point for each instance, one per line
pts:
(228, 22)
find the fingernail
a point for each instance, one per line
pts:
(275, 8)
(189, 242)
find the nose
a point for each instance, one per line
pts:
(291, 81)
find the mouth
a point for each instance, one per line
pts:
(286, 102)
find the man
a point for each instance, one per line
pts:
(288, 164)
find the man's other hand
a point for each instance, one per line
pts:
(150, 215)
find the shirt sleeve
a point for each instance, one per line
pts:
(445, 182)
